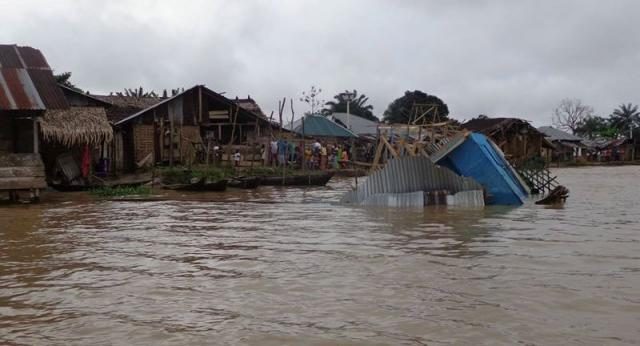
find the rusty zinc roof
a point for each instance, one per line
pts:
(26, 80)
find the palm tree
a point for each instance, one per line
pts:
(358, 106)
(625, 118)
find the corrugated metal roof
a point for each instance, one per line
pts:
(321, 126)
(409, 174)
(558, 135)
(33, 58)
(251, 105)
(359, 125)
(26, 81)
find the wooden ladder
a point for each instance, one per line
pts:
(540, 180)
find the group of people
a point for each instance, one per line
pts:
(316, 156)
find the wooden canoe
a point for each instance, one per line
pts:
(199, 185)
(244, 182)
(298, 180)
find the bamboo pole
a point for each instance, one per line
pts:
(281, 106)
(172, 139)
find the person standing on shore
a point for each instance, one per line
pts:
(282, 151)
(273, 152)
(236, 158)
(264, 155)
(323, 157)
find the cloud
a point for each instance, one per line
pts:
(502, 58)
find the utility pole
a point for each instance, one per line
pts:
(348, 97)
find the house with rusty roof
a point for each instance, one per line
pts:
(45, 128)
(184, 128)
(250, 105)
(517, 138)
(27, 90)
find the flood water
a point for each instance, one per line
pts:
(290, 266)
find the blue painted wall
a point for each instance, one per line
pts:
(477, 158)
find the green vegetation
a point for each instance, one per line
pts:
(107, 191)
(574, 116)
(358, 106)
(271, 171)
(399, 111)
(182, 175)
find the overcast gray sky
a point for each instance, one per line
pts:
(500, 58)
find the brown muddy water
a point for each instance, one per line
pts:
(290, 266)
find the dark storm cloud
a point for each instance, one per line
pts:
(493, 57)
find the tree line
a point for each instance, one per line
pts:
(399, 110)
(574, 116)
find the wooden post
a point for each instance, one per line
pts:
(200, 102)
(35, 193)
(180, 145)
(162, 140)
(284, 164)
(233, 128)
(36, 148)
(304, 147)
(171, 139)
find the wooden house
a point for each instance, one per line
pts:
(75, 141)
(517, 138)
(27, 90)
(567, 147)
(183, 129)
(617, 150)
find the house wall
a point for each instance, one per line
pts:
(117, 152)
(143, 139)
(23, 131)
(6, 136)
(518, 146)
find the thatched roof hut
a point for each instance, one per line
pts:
(76, 126)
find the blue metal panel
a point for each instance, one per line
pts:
(477, 158)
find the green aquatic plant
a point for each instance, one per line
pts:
(108, 191)
(183, 175)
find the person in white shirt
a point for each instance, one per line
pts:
(236, 158)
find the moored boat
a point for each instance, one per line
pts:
(298, 180)
(244, 182)
(199, 185)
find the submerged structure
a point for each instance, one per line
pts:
(463, 168)
(415, 181)
(474, 155)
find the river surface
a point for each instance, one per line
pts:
(290, 266)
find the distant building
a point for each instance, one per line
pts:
(316, 125)
(358, 125)
(617, 150)
(567, 147)
(517, 138)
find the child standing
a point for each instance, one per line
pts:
(236, 158)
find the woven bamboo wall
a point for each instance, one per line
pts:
(143, 140)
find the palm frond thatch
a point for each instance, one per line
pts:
(76, 126)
